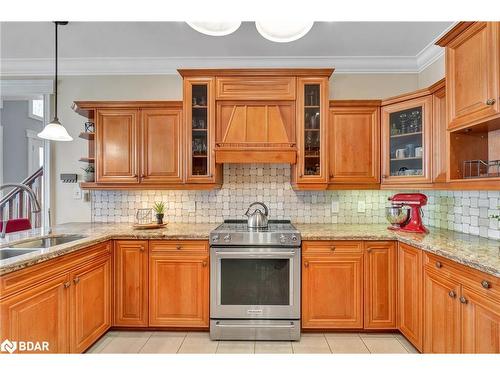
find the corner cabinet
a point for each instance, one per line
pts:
(311, 170)
(199, 126)
(406, 142)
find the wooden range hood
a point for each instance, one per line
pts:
(256, 112)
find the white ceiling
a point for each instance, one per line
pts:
(26, 48)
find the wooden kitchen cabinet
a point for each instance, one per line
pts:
(472, 73)
(410, 294)
(380, 258)
(162, 146)
(117, 133)
(131, 275)
(332, 284)
(354, 144)
(90, 305)
(40, 313)
(406, 141)
(439, 133)
(179, 284)
(311, 170)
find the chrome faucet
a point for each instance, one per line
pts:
(35, 205)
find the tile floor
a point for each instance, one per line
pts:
(200, 343)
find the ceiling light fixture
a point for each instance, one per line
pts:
(54, 131)
(215, 28)
(283, 32)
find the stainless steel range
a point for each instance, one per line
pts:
(255, 281)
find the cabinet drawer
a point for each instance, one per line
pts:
(332, 247)
(255, 88)
(480, 282)
(179, 246)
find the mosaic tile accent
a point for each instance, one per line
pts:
(463, 211)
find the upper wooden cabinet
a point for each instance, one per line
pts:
(439, 133)
(406, 140)
(116, 145)
(472, 73)
(255, 87)
(354, 143)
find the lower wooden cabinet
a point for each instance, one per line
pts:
(332, 284)
(410, 289)
(179, 284)
(90, 303)
(131, 277)
(380, 285)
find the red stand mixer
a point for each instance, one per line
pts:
(409, 220)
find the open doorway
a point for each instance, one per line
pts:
(24, 157)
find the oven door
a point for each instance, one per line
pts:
(255, 283)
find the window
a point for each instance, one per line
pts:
(36, 109)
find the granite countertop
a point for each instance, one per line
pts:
(476, 252)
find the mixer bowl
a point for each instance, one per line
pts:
(396, 215)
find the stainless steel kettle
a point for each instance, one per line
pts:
(257, 219)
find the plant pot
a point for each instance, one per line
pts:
(88, 177)
(159, 218)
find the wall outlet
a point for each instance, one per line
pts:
(361, 206)
(335, 207)
(77, 193)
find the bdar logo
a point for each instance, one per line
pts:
(8, 346)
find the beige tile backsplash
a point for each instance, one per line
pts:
(463, 211)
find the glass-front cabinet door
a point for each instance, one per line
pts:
(199, 109)
(406, 141)
(312, 107)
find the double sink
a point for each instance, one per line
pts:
(30, 246)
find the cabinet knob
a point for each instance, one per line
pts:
(67, 284)
(490, 101)
(485, 284)
(463, 300)
(306, 264)
(76, 280)
(452, 294)
(384, 176)
(178, 247)
(332, 248)
(204, 263)
(438, 265)
(142, 248)
(143, 175)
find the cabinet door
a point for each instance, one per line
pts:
(441, 314)
(439, 134)
(380, 285)
(480, 323)
(472, 75)
(312, 110)
(161, 146)
(406, 142)
(410, 290)
(116, 146)
(131, 264)
(39, 314)
(199, 116)
(178, 291)
(90, 303)
(353, 146)
(332, 291)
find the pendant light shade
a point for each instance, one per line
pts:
(215, 28)
(54, 131)
(283, 32)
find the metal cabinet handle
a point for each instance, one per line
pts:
(490, 101)
(485, 284)
(438, 265)
(76, 280)
(463, 300)
(67, 284)
(306, 264)
(452, 293)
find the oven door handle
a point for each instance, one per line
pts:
(253, 255)
(255, 326)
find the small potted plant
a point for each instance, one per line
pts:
(88, 176)
(159, 208)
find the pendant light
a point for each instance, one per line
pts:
(215, 28)
(283, 31)
(54, 131)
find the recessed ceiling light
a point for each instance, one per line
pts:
(215, 28)
(283, 32)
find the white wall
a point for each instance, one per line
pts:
(165, 87)
(432, 73)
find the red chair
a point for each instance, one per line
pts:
(16, 225)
